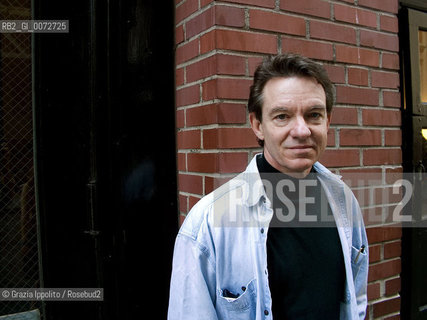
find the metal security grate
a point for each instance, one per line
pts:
(19, 267)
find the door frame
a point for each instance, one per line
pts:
(414, 117)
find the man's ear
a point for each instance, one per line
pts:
(328, 120)
(256, 126)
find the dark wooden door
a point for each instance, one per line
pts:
(105, 150)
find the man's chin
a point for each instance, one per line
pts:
(301, 165)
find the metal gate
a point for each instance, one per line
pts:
(19, 256)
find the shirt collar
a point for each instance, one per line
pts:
(253, 186)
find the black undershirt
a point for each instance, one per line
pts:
(306, 264)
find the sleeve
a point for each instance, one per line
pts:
(192, 290)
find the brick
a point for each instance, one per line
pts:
(179, 34)
(201, 69)
(355, 55)
(180, 119)
(253, 63)
(185, 9)
(259, 3)
(393, 174)
(388, 23)
(385, 195)
(366, 18)
(199, 23)
(392, 194)
(201, 115)
(335, 73)
(179, 77)
(355, 16)
(390, 61)
(375, 117)
(189, 139)
(391, 99)
(229, 16)
(392, 250)
(393, 137)
(385, 79)
(208, 42)
(332, 32)
(359, 177)
(386, 307)
(358, 76)
(344, 116)
(202, 162)
(382, 157)
(235, 162)
(384, 233)
(340, 158)
(360, 96)
(316, 8)
(308, 48)
(216, 65)
(371, 215)
(374, 291)
(384, 270)
(187, 51)
(271, 21)
(190, 183)
(183, 203)
(360, 137)
(230, 65)
(238, 41)
(392, 286)
(364, 199)
(231, 113)
(220, 113)
(181, 161)
(331, 138)
(382, 5)
(375, 253)
(188, 95)
(204, 3)
(192, 201)
(379, 40)
(368, 57)
(226, 89)
(217, 162)
(226, 138)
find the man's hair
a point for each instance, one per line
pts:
(285, 66)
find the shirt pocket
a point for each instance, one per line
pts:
(242, 307)
(358, 261)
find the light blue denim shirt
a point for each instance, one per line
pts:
(222, 246)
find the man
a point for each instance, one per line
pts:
(246, 251)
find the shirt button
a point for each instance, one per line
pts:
(243, 288)
(266, 312)
(262, 230)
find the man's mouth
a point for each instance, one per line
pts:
(301, 147)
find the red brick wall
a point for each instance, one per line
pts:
(220, 43)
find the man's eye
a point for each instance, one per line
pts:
(281, 117)
(315, 115)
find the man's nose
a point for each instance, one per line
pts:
(300, 128)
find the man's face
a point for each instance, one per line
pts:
(294, 124)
